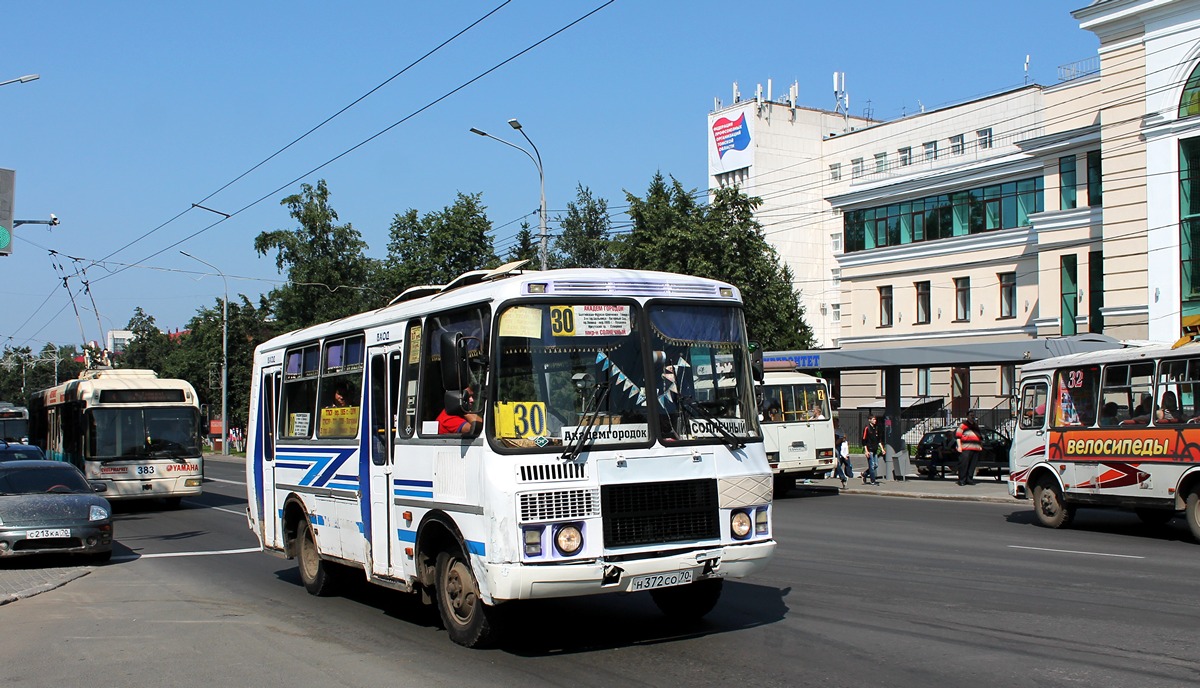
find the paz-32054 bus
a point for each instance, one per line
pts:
(517, 435)
(1115, 428)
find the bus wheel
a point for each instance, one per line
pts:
(468, 620)
(1155, 517)
(1193, 512)
(689, 602)
(1049, 506)
(315, 573)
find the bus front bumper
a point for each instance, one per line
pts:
(523, 582)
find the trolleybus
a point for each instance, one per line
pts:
(14, 422)
(797, 426)
(516, 435)
(1115, 428)
(135, 432)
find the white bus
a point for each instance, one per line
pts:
(516, 435)
(1115, 428)
(135, 432)
(797, 426)
(14, 423)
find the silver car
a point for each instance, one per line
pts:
(48, 507)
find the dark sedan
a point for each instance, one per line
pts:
(937, 454)
(12, 451)
(48, 507)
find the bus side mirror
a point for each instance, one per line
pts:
(756, 362)
(456, 374)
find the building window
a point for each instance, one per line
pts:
(1189, 103)
(1066, 182)
(881, 162)
(962, 299)
(1008, 373)
(835, 172)
(836, 309)
(835, 242)
(905, 156)
(956, 144)
(931, 151)
(924, 388)
(984, 138)
(1096, 291)
(856, 168)
(885, 306)
(923, 301)
(1008, 294)
(835, 278)
(970, 211)
(1095, 189)
(1069, 281)
(737, 177)
(1189, 228)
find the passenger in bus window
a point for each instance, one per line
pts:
(341, 397)
(1108, 415)
(1141, 413)
(1168, 412)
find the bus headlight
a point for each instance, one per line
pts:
(97, 513)
(740, 525)
(192, 482)
(568, 540)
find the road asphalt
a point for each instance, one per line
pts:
(22, 577)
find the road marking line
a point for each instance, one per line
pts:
(167, 555)
(221, 480)
(1071, 551)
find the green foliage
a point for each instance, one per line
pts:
(437, 247)
(149, 347)
(327, 270)
(583, 240)
(673, 233)
(526, 247)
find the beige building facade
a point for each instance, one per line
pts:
(1039, 212)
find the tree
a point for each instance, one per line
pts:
(583, 241)
(148, 347)
(437, 247)
(324, 261)
(525, 248)
(673, 233)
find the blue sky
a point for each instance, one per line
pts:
(144, 108)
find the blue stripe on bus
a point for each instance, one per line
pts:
(347, 478)
(406, 535)
(317, 519)
(414, 483)
(474, 547)
(413, 493)
(342, 486)
(291, 465)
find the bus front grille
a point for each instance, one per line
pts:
(651, 513)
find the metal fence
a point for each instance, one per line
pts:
(914, 424)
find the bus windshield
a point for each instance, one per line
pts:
(129, 433)
(701, 386)
(14, 429)
(794, 402)
(563, 367)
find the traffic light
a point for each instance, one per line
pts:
(7, 193)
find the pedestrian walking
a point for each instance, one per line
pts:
(872, 439)
(969, 440)
(843, 470)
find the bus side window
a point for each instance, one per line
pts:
(1033, 406)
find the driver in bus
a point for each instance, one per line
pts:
(469, 424)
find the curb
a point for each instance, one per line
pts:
(62, 580)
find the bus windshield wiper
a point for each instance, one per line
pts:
(728, 438)
(600, 396)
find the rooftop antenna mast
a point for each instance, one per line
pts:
(841, 98)
(1026, 70)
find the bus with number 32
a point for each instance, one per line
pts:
(517, 435)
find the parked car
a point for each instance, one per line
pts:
(48, 507)
(936, 453)
(12, 451)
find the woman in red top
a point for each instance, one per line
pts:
(970, 444)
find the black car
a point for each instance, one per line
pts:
(937, 454)
(48, 507)
(12, 451)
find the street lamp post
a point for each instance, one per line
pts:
(224, 356)
(537, 161)
(23, 79)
